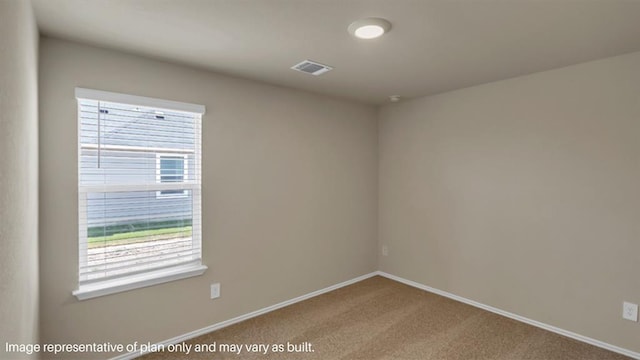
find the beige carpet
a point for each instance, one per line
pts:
(382, 319)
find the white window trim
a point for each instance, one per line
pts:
(185, 175)
(99, 95)
(101, 288)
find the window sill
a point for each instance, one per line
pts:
(138, 281)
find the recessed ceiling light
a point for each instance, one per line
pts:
(369, 28)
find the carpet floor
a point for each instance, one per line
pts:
(382, 319)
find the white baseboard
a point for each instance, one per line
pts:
(523, 319)
(268, 309)
(222, 324)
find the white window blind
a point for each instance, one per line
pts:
(139, 190)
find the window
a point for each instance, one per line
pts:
(138, 191)
(171, 168)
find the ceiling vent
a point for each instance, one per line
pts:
(311, 67)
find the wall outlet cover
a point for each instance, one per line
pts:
(215, 290)
(630, 311)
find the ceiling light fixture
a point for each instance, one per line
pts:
(369, 28)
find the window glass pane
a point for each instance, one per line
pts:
(125, 238)
(119, 144)
(139, 189)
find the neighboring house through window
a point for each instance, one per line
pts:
(138, 192)
(171, 168)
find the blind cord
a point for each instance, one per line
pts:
(99, 128)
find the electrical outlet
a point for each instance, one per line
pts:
(215, 290)
(385, 250)
(630, 311)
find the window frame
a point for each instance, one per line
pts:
(152, 277)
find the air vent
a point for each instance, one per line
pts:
(311, 67)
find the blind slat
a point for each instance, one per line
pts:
(132, 272)
(139, 186)
(150, 258)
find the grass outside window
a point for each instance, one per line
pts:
(132, 237)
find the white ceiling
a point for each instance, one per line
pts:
(434, 45)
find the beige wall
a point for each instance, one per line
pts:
(522, 194)
(18, 174)
(289, 196)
